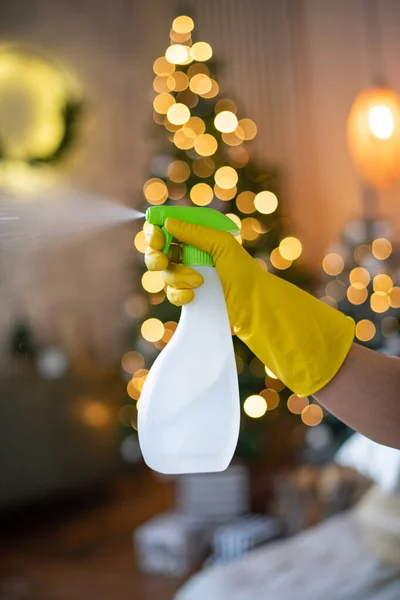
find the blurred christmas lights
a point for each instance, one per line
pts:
(255, 406)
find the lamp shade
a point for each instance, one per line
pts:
(373, 135)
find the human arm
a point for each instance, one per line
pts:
(365, 394)
(306, 343)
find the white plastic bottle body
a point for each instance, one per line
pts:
(189, 409)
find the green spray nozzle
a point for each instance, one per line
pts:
(207, 217)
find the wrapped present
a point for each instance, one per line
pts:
(170, 543)
(310, 494)
(215, 497)
(236, 538)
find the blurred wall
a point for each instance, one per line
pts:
(293, 65)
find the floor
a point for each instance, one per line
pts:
(81, 547)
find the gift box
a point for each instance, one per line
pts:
(215, 497)
(171, 543)
(236, 538)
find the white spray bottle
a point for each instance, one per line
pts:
(189, 410)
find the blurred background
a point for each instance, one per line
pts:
(284, 115)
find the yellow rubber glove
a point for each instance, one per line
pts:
(301, 340)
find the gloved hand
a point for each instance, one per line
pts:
(301, 340)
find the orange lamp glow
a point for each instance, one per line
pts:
(373, 135)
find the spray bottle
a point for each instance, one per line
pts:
(189, 409)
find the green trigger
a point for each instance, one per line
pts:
(168, 239)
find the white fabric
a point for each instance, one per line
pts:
(377, 462)
(327, 562)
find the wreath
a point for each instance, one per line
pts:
(40, 107)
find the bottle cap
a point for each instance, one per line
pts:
(192, 257)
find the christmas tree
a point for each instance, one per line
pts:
(362, 280)
(204, 161)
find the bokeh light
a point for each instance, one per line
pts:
(169, 330)
(225, 194)
(225, 104)
(178, 114)
(382, 283)
(246, 130)
(177, 54)
(180, 38)
(357, 295)
(132, 361)
(96, 414)
(329, 301)
(266, 202)
(206, 144)
(336, 289)
(213, 91)
(226, 177)
(271, 397)
(177, 82)
(290, 248)
(140, 242)
(184, 138)
(255, 406)
(226, 121)
(163, 67)
(365, 330)
(198, 68)
(245, 202)
(394, 297)
(278, 261)
(380, 302)
(262, 263)
(152, 330)
(249, 229)
(152, 282)
(188, 98)
(200, 84)
(201, 194)
(183, 24)
(274, 384)
(270, 373)
(256, 367)
(178, 171)
(312, 415)
(333, 264)
(158, 118)
(203, 167)
(169, 126)
(132, 390)
(362, 253)
(162, 103)
(157, 298)
(155, 191)
(359, 277)
(231, 139)
(201, 51)
(176, 191)
(381, 248)
(160, 84)
(235, 219)
(296, 405)
(390, 326)
(197, 125)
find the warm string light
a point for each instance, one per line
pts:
(333, 264)
(255, 406)
(365, 330)
(312, 415)
(177, 94)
